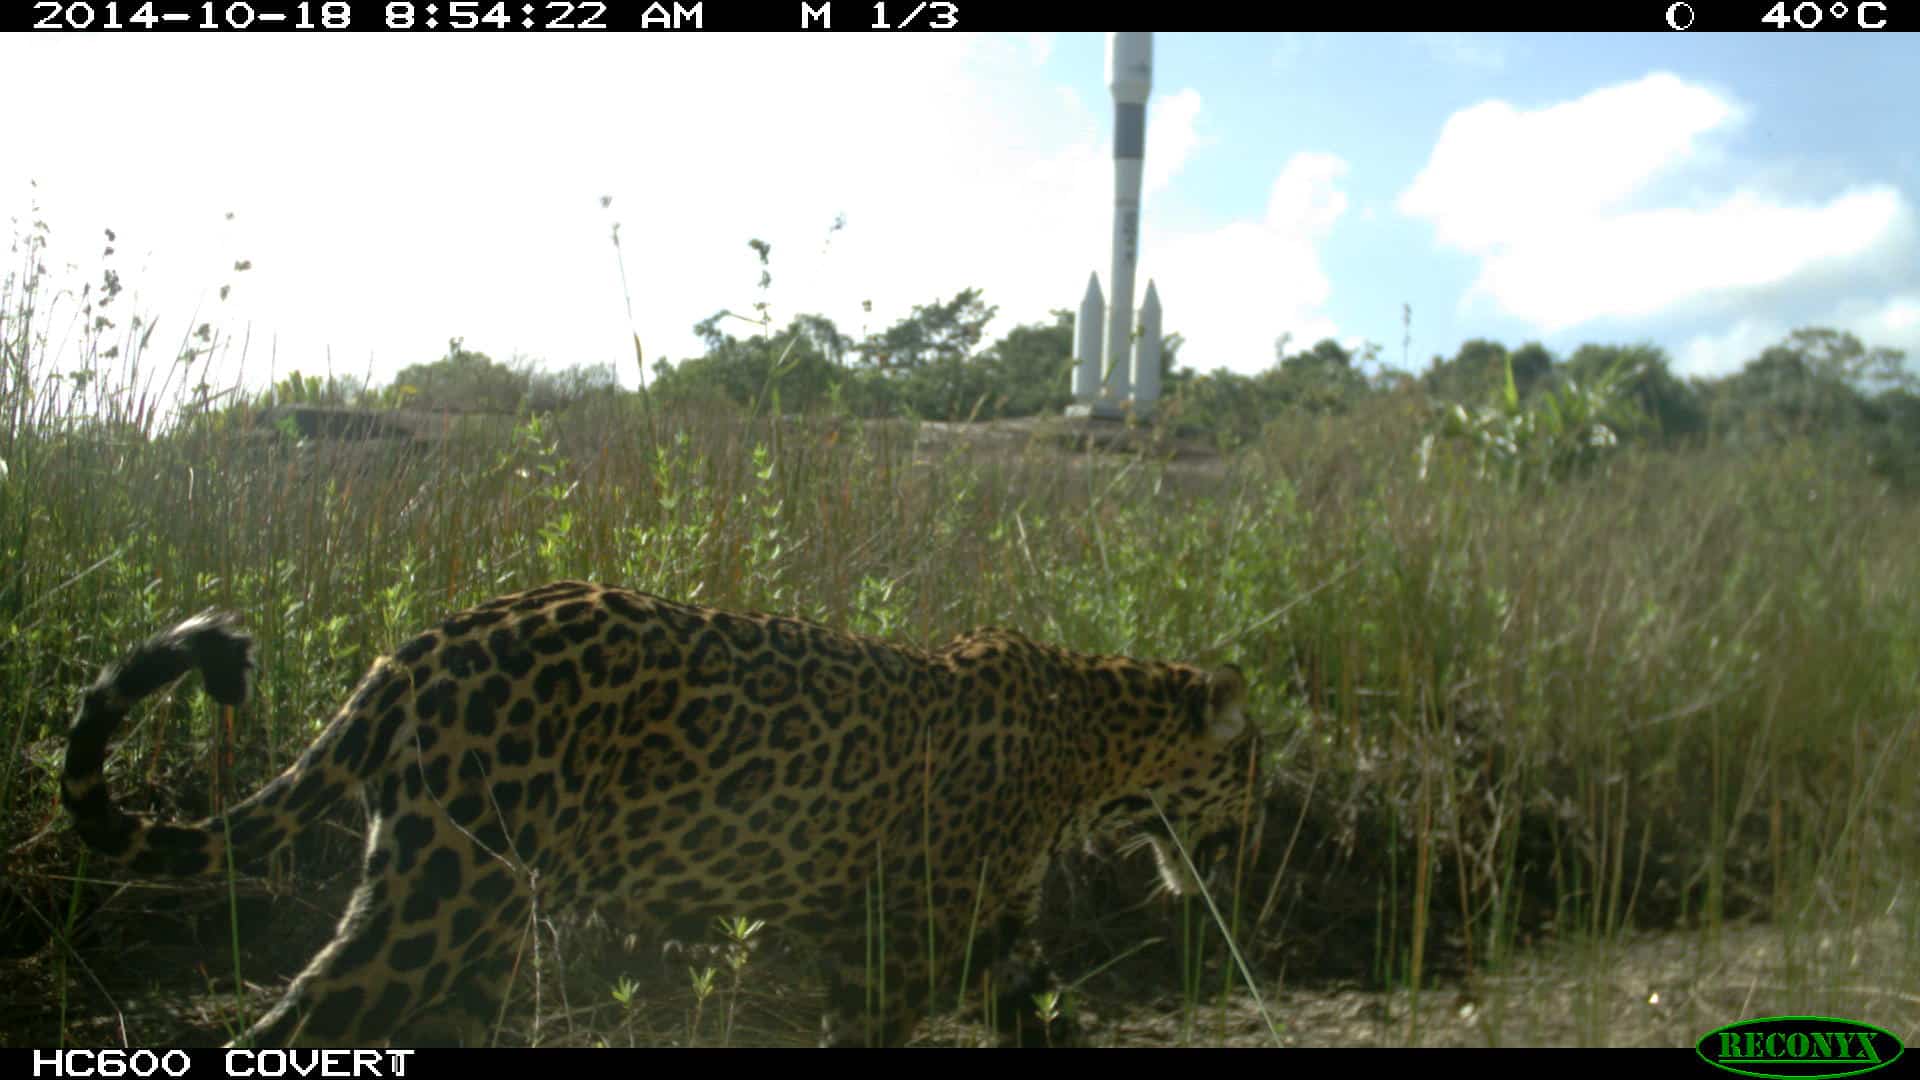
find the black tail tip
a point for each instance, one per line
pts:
(222, 651)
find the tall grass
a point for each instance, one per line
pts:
(1677, 691)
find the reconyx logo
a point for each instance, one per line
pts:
(1800, 1047)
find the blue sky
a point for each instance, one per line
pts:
(1705, 193)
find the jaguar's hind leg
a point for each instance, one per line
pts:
(435, 922)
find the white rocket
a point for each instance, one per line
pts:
(1130, 75)
(1102, 386)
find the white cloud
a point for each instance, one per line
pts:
(1892, 322)
(1261, 279)
(1173, 134)
(1900, 317)
(1553, 201)
(1498, 172)
(1717, 354)
(1639, 263)
(391, 193)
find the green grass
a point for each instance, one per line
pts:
(1678, 691)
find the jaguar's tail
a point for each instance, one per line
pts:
(212, 643)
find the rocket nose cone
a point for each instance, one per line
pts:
(1130, 67)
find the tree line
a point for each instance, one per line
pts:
(936, 364)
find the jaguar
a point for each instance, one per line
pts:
(579, 746)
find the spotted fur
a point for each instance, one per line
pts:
(581, 744)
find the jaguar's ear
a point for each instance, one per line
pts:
(1226, 704)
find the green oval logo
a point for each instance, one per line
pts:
(1800, 1047)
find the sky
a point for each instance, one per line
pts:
(1705, 193)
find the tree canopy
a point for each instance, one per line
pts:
(937, 363)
